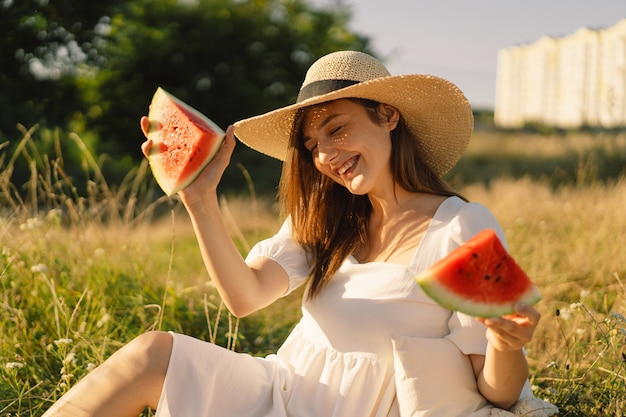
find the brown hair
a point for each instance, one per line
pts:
(328, 221)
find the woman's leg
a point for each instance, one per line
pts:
(130, 380)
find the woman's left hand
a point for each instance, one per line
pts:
(514, 331)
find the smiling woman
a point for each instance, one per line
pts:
(364, 209)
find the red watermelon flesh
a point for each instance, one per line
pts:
(479, 278)
(184, 141)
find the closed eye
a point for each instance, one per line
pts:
(336, 130)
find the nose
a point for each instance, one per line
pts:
(326, 151)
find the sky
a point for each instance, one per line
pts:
(459, 39)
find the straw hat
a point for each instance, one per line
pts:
(436, 111)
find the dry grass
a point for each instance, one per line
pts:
(82, 274)
(572, 242)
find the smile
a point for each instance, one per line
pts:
(345, 167)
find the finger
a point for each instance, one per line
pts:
(516, 327)
(529, 312)
(512, 334)
(145, 125)
(229, 140)
(145, 147)
(509, 338)
(230, 132)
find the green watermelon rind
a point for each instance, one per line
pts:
(473, 308)
(171, 187)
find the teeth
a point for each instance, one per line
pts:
(346, 166)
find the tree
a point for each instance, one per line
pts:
(92, 67)
(229, 59)
(44, 45)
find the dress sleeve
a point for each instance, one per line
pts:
(282, 249)
(470, 219)
(465, 331)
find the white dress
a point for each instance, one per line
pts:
(339, 359)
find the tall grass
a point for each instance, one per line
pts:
(83, 272)
(571, 242)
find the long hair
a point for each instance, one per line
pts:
(328, 221)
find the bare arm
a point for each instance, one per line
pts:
(502, 372)
(244, 288)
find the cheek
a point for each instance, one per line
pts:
(340, 140)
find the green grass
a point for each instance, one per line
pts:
(82, 272)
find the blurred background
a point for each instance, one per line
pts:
(90, 68)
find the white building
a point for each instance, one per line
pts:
(568, 82)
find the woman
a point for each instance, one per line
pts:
(366, 209)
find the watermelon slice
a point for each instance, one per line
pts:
(479, 278)
(184, 142)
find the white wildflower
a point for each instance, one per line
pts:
(91, 366)
(585, 293)
(41, 268)
(576, 306)
(63, 342)
(565, 313)
(69, 358)
(14, 365)
(99, 253)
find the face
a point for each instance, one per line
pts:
(348, 146)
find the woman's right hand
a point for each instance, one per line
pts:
(210, 176)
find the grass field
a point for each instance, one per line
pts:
(80, 275)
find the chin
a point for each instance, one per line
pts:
(356, 190)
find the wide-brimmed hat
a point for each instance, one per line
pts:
(436, 112)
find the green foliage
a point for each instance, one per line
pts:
(91, 68)
(228, 59)
(44, 45)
